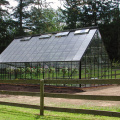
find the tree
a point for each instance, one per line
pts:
(6, 32)
(5, 36)
(34, 15)
(44, 20)
(102, 11)
(80, 14)
(22, 14)
(3, 3)
(71, 13)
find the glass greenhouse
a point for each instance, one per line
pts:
(78, 54)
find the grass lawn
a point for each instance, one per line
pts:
(17, 113)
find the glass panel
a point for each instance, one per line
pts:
(63, 56)
(83, 31)
(50, 56)
(25, 39)
(45, 36)
(61, 34)
(84, 45)
(70, 56)
(56, 56)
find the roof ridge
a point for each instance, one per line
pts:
(70, 30)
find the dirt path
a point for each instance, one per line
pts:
(56, 102)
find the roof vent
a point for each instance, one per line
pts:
(83, 31)
(45, 36)
(61, 34)
(25, 39)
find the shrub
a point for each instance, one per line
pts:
(65, 70)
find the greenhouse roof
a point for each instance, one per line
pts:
(63, 46)
(0, 59)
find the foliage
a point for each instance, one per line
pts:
(2, 10)
(34, 17)
(74, 70)
(17, 70)
(110, 34)
(30, 70)
(21, 13)
(51, 70)
(10, 70)
(115, 64)
(88, 13)
(35, 72)
(6, 34)
(71, 14)
(43, 20)
(40, 70)
(6, 23)
(65, 70)
(22, 70)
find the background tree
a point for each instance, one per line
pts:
(44, 20)
(21, 14)
(3, 3)
(71, 13)
(6, 34)
(35, 16)
(89, 13)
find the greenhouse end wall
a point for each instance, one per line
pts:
(95, 63)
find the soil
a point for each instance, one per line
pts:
(36, 88)
(113, 90)
(51, 89)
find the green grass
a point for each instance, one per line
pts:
(39, 76)
(17, 113)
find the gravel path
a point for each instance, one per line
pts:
(56, 102)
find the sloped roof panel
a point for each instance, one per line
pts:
(0, 59)
(66, 48)
(84, 45)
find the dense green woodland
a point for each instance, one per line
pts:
(37, 17)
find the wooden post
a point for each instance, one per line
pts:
(41, 97)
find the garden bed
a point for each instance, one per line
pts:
(48, 88)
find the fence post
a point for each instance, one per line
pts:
(41, 97)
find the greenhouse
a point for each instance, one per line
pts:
(78, 54)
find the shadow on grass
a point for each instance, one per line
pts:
(12, 112)
(33, 116)
(53, 118)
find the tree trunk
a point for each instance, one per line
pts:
(21, 14)
(119, 39)
(118, 21)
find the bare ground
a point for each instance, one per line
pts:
(56, 102)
